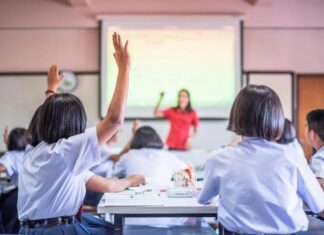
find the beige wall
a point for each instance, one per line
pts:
(278, 35)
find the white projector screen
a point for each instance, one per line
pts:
(171, 52)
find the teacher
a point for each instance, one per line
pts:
(181, 118)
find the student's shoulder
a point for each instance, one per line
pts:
(289, 153)
(5, 157)
(131, 154)
(89, 133)
(221, 155)
(165, 152)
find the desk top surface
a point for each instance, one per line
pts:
(143, 200)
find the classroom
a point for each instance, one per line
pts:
(162, 117)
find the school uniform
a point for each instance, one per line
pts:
(105, 164)
(317, 163)
(156, 165)
(261, 186)
(295, 144)
(12, 160)
(104, 169)
(52, 184)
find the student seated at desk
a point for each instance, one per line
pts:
(289, 137)
(261, 184)
(146, 157)
(103, 169)
(56, 173)
(11, 163)
(315, 137)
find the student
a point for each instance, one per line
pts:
(56, 172)
(315, 137)
(11, 163)
(181, 118)
(289, 137)
(12, 160)
(147, 158)
(104, 169)
(261, 184)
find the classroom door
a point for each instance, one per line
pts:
(310, 95)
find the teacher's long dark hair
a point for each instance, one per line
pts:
(184, 94)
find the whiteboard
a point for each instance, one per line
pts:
(200, 53)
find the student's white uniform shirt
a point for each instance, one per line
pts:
(157, 165)
(52, 181)
(317, 163)
(295, 144)
(261, 186)
(13, 161)
(104, 168)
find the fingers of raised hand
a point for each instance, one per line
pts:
(117, 42)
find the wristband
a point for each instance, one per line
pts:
(49, 91)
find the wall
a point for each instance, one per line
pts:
(278, 35)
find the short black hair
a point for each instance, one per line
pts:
(32, 128)
(257, 112)
(315, 122)
(61, 116)
(17, 139)
(146, 137)
(288, 134)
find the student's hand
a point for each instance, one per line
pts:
(161, 94)
(189, 172)
(135, 180)
(121, 53)
(136, 125)
(114, 157)
(5, 135)
(54, 79)
(188, 144)
(181, 179)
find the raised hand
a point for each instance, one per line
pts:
(114, 118)
(54, 79)
(5, 135)
(162, 94)
(121, 53)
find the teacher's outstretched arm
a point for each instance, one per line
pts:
(157, 111)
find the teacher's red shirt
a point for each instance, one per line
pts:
(180, 126)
